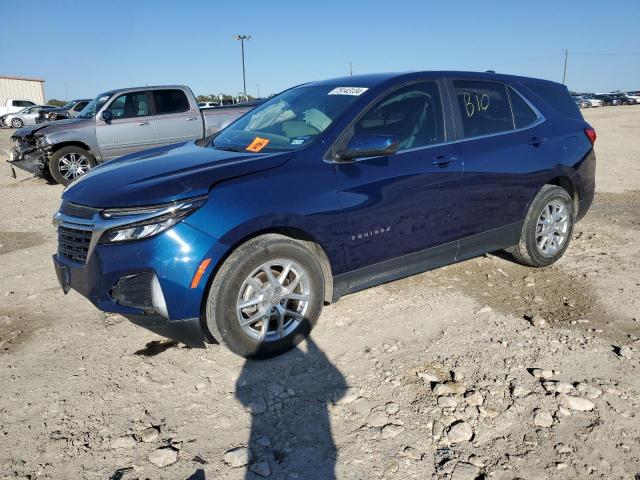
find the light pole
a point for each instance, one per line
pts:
(242, 38)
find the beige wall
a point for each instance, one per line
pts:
(21, 90)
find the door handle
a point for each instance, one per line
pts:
(536, 141)
(143, 123)
(443, 160)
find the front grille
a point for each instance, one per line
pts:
(78, 211)
(73, 244)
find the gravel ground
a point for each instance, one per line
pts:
(484, 369)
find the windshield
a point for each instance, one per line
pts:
(93, 106)
(288, 121)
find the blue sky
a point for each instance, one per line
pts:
(91, 46)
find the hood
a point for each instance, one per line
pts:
(51, 127)
(164, 174)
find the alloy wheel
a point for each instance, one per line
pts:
(72, 165)
(552, 228)
(273, 300)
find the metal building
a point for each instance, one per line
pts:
(20, 88)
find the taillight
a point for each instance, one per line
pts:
(591, 134)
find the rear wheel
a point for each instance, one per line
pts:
(266, 297)
(69, 163)
(547, 228)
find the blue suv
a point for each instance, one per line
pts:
(328, 188)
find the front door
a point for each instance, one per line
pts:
(131, 128)
(410, 201)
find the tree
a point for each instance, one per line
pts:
(56, 103)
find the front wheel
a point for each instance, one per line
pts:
(266, 297)
(16, 123)
(69, 163)
(547, 228)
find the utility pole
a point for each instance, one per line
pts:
(350, 69)
(564, 73)
(242, 38)
(258, 85)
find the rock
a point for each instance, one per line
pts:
(412, 453)
(544, 374)
(457, 388)
(237, 457)
(542, 419)
(447, 402)
(624, 352)
(441, 389)
(518, 391)
(392, 408)
(149, 435)
(561, 466)
(123, 442)
(163, 457)
(564, 387)
(477, 461)
(489, 412)
(257, 406)
(485, 309)
(428, 377)
(377, 419)
(575, 403)
(351, 395)
(459, 432)
(465, 471)
(537, 321)
(589, 391)
(391, 430)
(457, 376)
(261, 468)
(474, 398)
(563, 448)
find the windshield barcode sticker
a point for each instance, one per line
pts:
(348, 91)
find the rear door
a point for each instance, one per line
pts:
(409, 201)
(131, 128)
(504, 141)
(176, 119)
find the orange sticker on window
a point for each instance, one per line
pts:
(258, 144)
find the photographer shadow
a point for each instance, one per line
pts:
(289, 397)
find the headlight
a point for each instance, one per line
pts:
(151, 220)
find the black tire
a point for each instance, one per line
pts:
(527, 250)
(224, 292)
(56, 164)
(16, 123)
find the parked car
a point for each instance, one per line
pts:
(69, 110)
(14, 106)
(208, 104)
(592, 100)
(608, 100)
(580, 102)
(113, 124)
(74, 107)
(26, 116)
(624, 99)
(328, 188)
(634, 96)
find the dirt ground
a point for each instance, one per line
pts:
(438, 376)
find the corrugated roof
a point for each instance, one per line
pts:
(22, 78)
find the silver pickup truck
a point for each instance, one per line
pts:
(116, 123)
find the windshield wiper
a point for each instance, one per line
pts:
(229, 149)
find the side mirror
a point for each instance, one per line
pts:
(369, 146)
(106, 116)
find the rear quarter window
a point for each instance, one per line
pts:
(558, 97)
(484, 107)
(523, 114)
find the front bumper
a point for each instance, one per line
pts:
(28, 157)
(172, 258)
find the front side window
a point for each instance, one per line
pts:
(523, 114)
(170, 101)
(288, 121)
(412, 113)
(130, 105)
(484, 107)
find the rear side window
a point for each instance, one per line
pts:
(523, 114)
(484, 107)
(22, 103)
(170, 101)
(79, 106)
(558, 97)
(412, 113)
